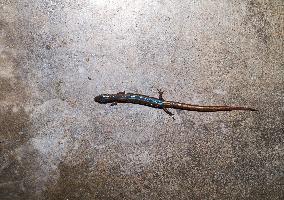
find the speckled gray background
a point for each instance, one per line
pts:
(57, 143)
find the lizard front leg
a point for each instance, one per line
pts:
(113, 104)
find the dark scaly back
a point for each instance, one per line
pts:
(122, 97)
(143, 100)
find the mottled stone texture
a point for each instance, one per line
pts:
(57, 143)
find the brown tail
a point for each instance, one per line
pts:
(184, 106)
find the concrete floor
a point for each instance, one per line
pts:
(57, 143)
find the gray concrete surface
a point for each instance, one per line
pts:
(57, 143)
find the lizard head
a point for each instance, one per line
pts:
(103, 98)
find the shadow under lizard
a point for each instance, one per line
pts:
(160, 103)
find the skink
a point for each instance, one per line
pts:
(160, 103)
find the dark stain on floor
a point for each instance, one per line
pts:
(13, 134)
(257, 18)
(14, 119)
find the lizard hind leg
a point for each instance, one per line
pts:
(161, 94)
(169, 113)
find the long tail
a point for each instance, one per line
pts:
(184, 106)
